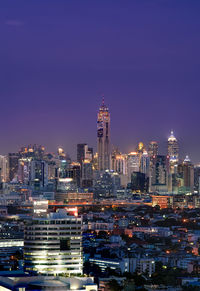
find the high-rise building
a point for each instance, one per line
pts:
(133, 164)
(119, 162)
(138, 182)
(3, 169)
(173, 148)
(38, 174)
(52, 244)
(107, 184)
(103, 137)
(81, 151)
(153, 149)
(159, 174)
(197, 178)
(75, 173)
(86, 174)
(144, 163)
(13, 165)
(84, 152)
(24, 170)
(186, 172)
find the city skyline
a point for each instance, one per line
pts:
(56, 65)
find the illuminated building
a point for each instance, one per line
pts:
(138, 182)
(66, 184)
(61, 153)
(95, 162)
(159, 174)
(85, 158)
(38, 174)
(119, 165)
(133, 164)
(197, 178)
(186, 172)
(86, 174)
(119, 162)
(173, 148)
(75, 173)
(164, 201)
(34, 151)
(24, 170)
(107, 184)
(3, 169)
(103, 138)
(140, 148)
(48, 283)
(144, 163)
(153, 149)
(76, 198)
(40, 207)
(52, 245)
(13, 165)
(84, 152)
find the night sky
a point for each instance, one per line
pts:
(57, 58)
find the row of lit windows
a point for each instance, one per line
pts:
(77, 221)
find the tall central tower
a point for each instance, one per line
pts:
(103, 137)
(173, 148)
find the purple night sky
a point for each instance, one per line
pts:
(57, 58)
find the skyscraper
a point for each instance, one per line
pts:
(173, 148)
(153, 149)
(159, 174)
(186, 172)
(3, 168)
(133, 164)
(13, 165)
(103, 137)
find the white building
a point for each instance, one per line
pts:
(53, 244)
(48, 283)
(133, 164)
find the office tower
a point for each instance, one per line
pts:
(197, 178)
(119, 162)
(75, 173)
(173, 148)
(86, 174)
(84, 152)
(144, 163)
(24, 170)
(133, 164)
(103, 138)
(186, 172)
(95, 162)
(52, 245)
(38, 174)
(3, 168)
(81, 149)
(159, 174)
(153, 149)
(138, 182)
(13, 165)
(107, 184)
(52, 170)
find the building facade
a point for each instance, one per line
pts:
(103, 138)
(53, 245)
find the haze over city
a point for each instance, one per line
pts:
(59, 58)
